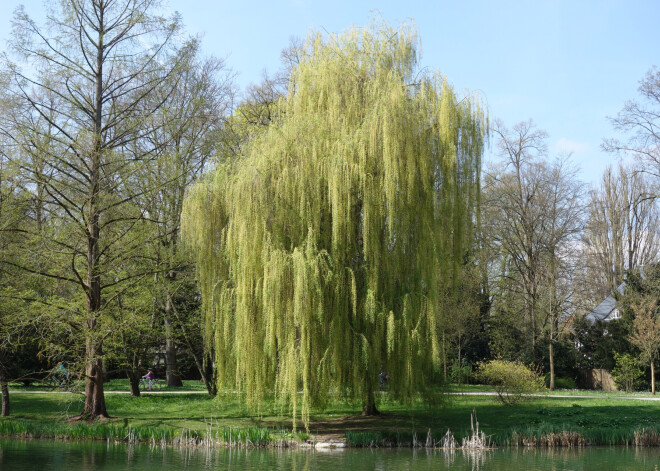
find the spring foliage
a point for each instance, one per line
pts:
(512, 379)
(327, 250)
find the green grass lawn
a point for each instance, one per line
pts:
(112, 385)
(190, 411)
(121, 385)
(594, 416)
(477, 388)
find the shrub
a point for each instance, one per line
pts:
(565, 383)
(560, 382)
(626, 371)
(511, 379)
(460, 374)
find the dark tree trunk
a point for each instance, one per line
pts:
(133, 382)
(205, 364)
(460, 373)
(5, 387)
(358, 265)
(5, 399)
(5, 392)
(171, 371)
(94, 398)
(444, 358)
(369, 399)
(208, 375)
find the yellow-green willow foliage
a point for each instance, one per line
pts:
(326, 251)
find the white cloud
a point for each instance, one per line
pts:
(564, 145)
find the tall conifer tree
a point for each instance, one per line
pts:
(83, 87)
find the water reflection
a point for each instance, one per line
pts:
(22, 455)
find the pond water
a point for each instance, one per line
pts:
(47, 455)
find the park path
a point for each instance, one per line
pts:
(559, 396)
(58, 391)
(466, 393)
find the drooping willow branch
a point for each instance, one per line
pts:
(326, 251)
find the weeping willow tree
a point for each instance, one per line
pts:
(327, 251)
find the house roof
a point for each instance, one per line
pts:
(604, 310)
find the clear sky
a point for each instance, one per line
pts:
(567, 64)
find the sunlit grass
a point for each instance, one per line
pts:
(113, 385)
(599, 419)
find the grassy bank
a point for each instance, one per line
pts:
(544, 421)
(213, 435)
(197, 419)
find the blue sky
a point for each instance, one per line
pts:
(565, 64)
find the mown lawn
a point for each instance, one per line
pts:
(596, 415)
(113, 385)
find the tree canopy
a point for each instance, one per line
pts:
(327, 249)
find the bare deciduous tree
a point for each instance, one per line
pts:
(622, 229)
(641, 121)
(533, 215)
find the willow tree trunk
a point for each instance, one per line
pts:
(208, 375)
(205, 368)
(358, 267)
(369, 400)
